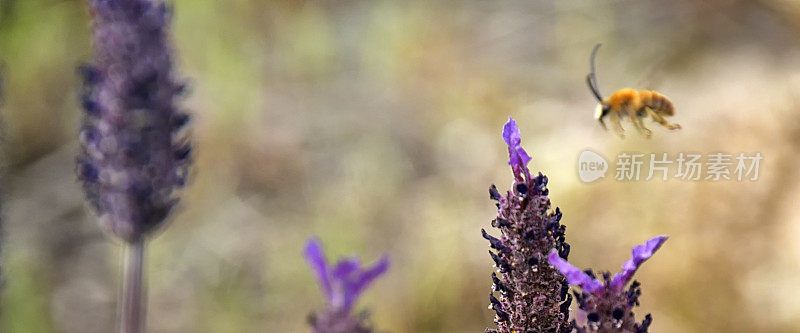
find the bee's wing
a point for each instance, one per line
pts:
(653, 75)
(657, 65)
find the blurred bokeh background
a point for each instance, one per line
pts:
(375, 125)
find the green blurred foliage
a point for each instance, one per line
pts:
(375, 125)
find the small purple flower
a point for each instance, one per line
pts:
(528, 294)
(639, 254)
(606, 305)
(518, 157)
(342, 284)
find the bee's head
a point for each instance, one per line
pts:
(601, 112)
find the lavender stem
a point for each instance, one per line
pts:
(131, 309)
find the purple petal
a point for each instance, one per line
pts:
(346, 268)
(316, 259)
(355, 287)
(511, 133)
(575, 276)
(640, 253)
(346, 272)
(518, 158)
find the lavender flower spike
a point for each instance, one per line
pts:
(528, 294)
(606, 306)
(133, 155)
(342, 284)
(518, 157)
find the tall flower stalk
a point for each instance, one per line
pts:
(606, 306)
(134, 155)
(529, 295)
(341, 284)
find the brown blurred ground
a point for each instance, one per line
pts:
(375, 125)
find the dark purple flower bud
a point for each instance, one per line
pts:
(179, 121)
(645, 325)
(532, 295)
(494, 242)
(494, 194)
(498, 309)
(499, 285)
(518, 158)
(89, 105)
(501, 264)
(89, 75)
(608, 307)
(498, 222)
(341, 284)
(565, 306)
(133, 158)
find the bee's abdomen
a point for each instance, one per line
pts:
(658, 102)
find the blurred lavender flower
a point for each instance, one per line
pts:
(2, 176)
(532, 296)
(133, 155)
(607, 306)
(342, 284)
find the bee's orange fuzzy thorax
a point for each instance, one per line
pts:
(624, 99)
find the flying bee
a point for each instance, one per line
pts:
(636, 105)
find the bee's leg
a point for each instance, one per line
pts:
(617, 124)
(647, 131)
(658, 118)
(638, 123)
(639, 115)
